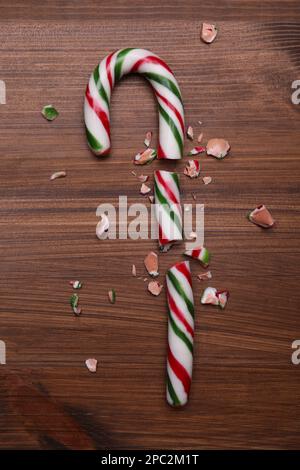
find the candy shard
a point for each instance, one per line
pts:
(192, 169)
(144, 157)
(58, 174)
(200, 137)
(217, 148)
(112, 296)
(214, 297)
(148, 139)
(204, 276)
(207, 179)
(91, 364)
(196, 150)
(190, 132)
(208, 32)
(145, 189)
(143, 178)
(49, 112)
(76, 284)
(261, 216)
(102, 226)
(200, 253)
(74, 300)
(133, 270)
(155, 288)
(151, 263)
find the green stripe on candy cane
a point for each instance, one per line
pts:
(178, 287)
(172, 393)
(165, 203)
(99, 86)
(172, 126)
(119, 61)
(92, 141)
(164, 82)
(181, 335)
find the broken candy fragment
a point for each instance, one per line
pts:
(197, 150)
(145, 189)
(155, 288)
(148, 138)
(74, 300)
(207, 179)
(76, 284)
(91, 364)
(261, 216)
(112, 296)
(214, 297)
(58, 174)
(208, 32)
(143, 178)
(217, 148)
(49, 112)
(190, 132)
(151, 263)
(102, 226)
(204, 276)
(201, 253)
(192, 169)
(144, 157)
(133, 270)
(200, 137)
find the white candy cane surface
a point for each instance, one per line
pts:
(98, 93)
(180, 333)
(167, 206)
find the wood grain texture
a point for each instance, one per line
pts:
(245, 391)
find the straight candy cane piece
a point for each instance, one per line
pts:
(180, 333)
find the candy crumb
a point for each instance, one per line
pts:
(91, 364)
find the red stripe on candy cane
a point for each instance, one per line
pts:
(166, 187)
(108, 70)
(179, 314)
(172, 107)
(179, 371)
(181, 267)
(152, 60)
(98, 110)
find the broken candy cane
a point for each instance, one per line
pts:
(261, 216)
(180, 333)
(200, 253)
(213, 296)
(167, 206)
(98, 93)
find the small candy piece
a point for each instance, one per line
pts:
(262, 217)
(49, 112)
(102, 226)
(112, 296)
(91, 364)
(155, 288)
(208, 32)
(207, 179)
(204, 276)
(143, 178)
(190, 132)
(58, 174)
(196, 151)
(214, 297)
(74, 300)
(192, 169)
(217, 148)
(133, 270)
(144, 157)
(200, 137)
(148, 139)
(145, 189)
(76, 284)
(151, 263)
(151, 199)
(201, 253)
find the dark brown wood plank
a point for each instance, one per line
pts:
(245, 390)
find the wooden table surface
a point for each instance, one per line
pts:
(245, 391)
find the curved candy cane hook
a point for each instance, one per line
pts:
(98, 93)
